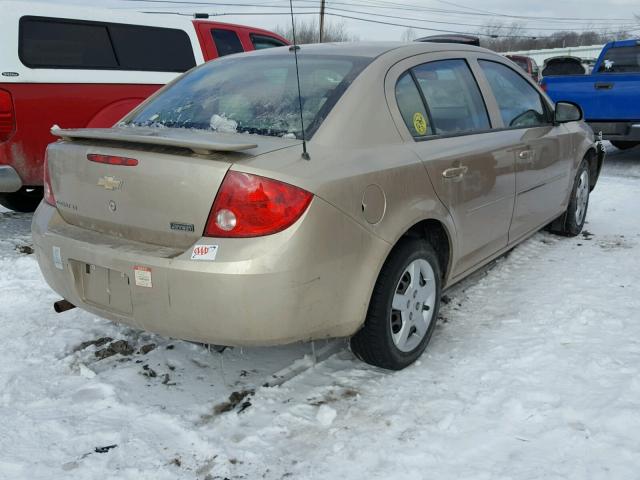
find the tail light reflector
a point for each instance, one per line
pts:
(48, 191)
(112, 160)
(7, 116)
(252, 206)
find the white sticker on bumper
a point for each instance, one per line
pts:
(142, 276)
(204, 252)
(57, 258)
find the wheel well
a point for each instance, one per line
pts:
(434, 232)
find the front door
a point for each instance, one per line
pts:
(542, 165)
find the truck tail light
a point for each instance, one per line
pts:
(7, 116)
(252, 206)
(48, 191)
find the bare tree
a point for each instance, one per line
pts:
(504, 38)
(309, 32)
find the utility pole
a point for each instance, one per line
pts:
(321, 20)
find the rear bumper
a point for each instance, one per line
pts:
(623, 131)
(300, 284)
(10, 181)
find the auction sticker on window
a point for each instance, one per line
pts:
(204, 252)
(419, 123)
(142, 276)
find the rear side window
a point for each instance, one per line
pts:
(227, 42)
(261, 42)
(453, 99)
(61, 43)
(56, 44)
(621, 60)
(151, 48)
(411, 107)
(520, 103)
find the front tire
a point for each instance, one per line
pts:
(403, 309)
(24, 200)
(570, 223)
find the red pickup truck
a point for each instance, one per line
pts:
(86, 67)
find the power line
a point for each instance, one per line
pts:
(389, 5)
(344, 11)
(380, 22)
(456, 23)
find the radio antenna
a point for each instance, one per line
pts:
(295, 49)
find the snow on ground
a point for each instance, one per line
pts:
(533, 372)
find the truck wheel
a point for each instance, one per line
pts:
(24, 200)
(570, 223)
(624, 145)
(403, 309)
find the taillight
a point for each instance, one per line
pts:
(543, 86)
(112, 160)
(251, 206)
(48, 191)
(7, 116)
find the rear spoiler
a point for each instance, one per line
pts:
(203, 143)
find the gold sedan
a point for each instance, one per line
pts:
(199, 217)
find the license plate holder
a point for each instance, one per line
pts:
(104, 287)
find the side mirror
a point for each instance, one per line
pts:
(567, 112)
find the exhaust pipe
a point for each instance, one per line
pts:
(62, 306)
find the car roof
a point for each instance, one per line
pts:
(373, 49)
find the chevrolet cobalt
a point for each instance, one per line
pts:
(200, 216)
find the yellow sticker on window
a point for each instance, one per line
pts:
(419, 123)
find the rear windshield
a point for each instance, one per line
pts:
(253, 94)
(565, 66)
(621, 60)
(521, 62)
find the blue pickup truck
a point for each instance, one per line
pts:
(609, 96)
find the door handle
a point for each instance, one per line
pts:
(455, 172)
(524, 154)
(603, 86)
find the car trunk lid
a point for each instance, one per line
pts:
(163, 198)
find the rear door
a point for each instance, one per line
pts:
(542, 150)
(471, 167)
(616, 83)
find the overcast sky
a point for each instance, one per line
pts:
(542, 16)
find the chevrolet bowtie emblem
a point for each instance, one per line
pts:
(109, 183)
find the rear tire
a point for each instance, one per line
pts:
(622, 145)
(403, 309)
(570, 223)
(24, 200)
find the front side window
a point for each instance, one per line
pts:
(454, 101)
(227, 42)
(520, 103)
(64, 43)
(253, 94)
(621, 60)
(261, 42)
